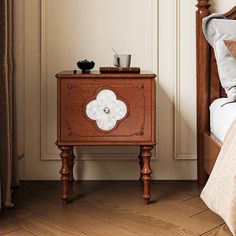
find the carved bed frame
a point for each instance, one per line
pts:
(208, 89)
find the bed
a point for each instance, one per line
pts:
(209, 90)
(216, 110)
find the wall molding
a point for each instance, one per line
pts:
(54, 156)
(178, 154)
(155, 43)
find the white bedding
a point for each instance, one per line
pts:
(221, 117)
(219, 194)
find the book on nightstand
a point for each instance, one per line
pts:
(119, 70)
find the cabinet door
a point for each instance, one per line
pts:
(106, 110)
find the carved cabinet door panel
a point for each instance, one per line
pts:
(105, 109)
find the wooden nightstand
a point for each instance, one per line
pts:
(105, 109)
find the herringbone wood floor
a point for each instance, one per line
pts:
(110, 208)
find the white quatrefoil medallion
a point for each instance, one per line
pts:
(106, 110)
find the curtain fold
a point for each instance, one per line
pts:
(8, 156)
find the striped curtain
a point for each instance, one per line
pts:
(8, 157)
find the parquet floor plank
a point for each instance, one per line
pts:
(20, 232)
(222, 230)
(196, 202)
(39, 225)
(191, 189)
(6, 227)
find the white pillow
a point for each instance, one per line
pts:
(216, 29)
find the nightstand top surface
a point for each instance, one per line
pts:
(97, 74)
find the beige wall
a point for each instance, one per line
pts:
(53, 34)
(222, 6)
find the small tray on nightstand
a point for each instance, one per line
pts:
(119, 70)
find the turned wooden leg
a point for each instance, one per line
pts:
(146, 172)
(71, 165)
(141, 166)
(65, 172)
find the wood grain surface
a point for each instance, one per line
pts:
(110, 208)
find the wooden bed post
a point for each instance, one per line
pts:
(203, 73)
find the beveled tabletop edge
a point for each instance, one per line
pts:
(97, 74)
